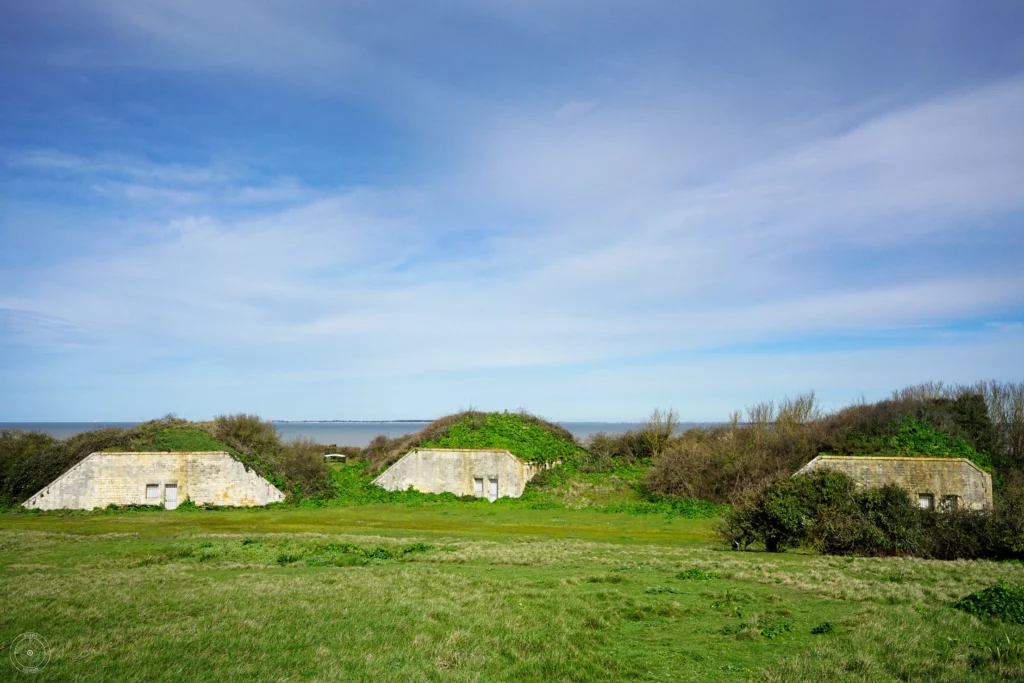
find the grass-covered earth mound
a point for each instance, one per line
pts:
(31, 460)
(913, 437)
(532, 440)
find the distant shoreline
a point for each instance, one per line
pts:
(331, 422)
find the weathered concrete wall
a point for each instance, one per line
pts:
(938, 477)
(213, 478)
(439, 470)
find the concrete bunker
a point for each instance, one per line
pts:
(161, 479)
(943, 483)
(484, 473)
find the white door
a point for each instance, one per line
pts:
(171, 496)
(492, 492)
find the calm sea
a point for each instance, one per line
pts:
(339, 433)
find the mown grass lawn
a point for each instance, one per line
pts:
(467, 593)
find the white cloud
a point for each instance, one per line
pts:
(553, 236)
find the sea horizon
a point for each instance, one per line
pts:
(335, 432)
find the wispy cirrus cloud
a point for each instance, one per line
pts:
(382, 226)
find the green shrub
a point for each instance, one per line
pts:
(379, 553)
(772, 626)
(696, 574)
(288, 558)
(959, 534)
(786, 512)
(301, 464)
(416, 548)
(1001, 601)
(890, 522)
(823, 628)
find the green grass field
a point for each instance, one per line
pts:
(470, 593)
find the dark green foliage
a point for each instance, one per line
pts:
(416, 548)
(823, 628)
(1001, 601)
(1009, 521)
(824, 510)
(380, 553)
(888, 522)
(772, 626)
(960, 534)
(768, 626)
(784, 513)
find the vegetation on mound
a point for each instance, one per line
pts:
(915, 438)
(31, 460)
(528, 436)
(1002, 600)
(509, 431)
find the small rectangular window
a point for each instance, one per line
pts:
(926, 501)
(478, 486)
(152, 491)
(950, 502)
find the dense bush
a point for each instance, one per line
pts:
(1001, 601)
(731, 463)
(302, 464)
(823, 510)
(248, 433)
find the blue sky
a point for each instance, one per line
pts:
(360, 210)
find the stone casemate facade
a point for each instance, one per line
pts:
(164, 479)
(490, 474)
(932, 482)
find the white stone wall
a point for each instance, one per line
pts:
(204, 477)
(440, 470)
